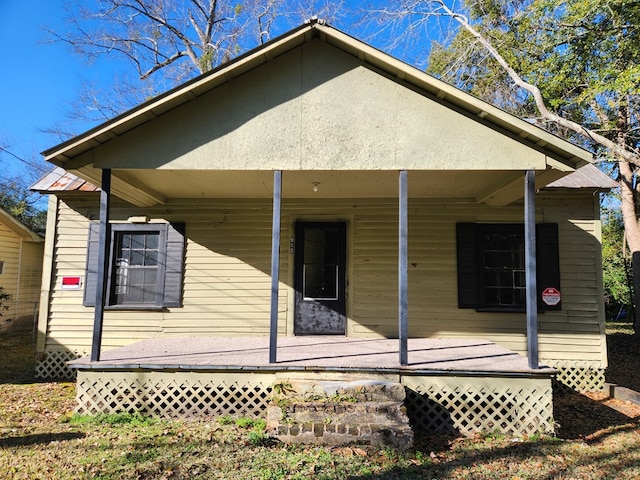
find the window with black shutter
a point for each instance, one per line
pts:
(146, 264)
(491, 265)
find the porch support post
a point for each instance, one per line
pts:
(403, 265)
(530, 266)
(103, 266)
(275, 264)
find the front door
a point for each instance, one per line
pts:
(320, 278)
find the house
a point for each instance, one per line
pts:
(316, 189)
(20, 269)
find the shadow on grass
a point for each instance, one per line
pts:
(581, 420)
(18, 358)
(39, 439)
(624, 360)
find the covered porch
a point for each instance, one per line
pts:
(462, 385)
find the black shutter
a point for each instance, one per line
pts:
(548, 259)
(174, 265)
(467, 265)
(91, 271)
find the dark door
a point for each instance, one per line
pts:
(320, 278)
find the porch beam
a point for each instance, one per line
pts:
(102, 267)
(275, 265)
(125, 186)
(403, 265)
(530, 266)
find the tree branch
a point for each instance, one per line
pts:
(620, 152)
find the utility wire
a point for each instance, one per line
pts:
(26, 162)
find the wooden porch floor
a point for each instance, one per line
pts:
(317, 353)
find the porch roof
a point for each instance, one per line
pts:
(427, 356)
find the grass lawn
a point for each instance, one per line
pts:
(40, 438)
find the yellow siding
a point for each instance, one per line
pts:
(31, 270)
(22, 270)
(10, 255)
(227, 283)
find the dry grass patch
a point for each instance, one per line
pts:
(40, 438)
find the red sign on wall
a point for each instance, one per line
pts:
(71, 283)
(551, 296)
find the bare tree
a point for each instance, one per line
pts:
(167, 42)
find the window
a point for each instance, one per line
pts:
(491, 265)
(146, 265)
(1, 267)
(503, 270)
(135, 270)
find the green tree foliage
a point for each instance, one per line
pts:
(616, 265)
(20, 203)
(582, 54)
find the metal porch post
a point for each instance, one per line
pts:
(403, 265)
(530, 266)
(275, 264)
(103, 264)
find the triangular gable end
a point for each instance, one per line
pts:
(314, 99)
(18, 227)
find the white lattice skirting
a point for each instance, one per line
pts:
(463, 404)
(54, 365)
(579, 376)
(173, 394)
(468, 405)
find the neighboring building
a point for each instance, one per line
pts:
(193, 195)
(20, 269)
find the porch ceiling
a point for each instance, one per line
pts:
(471, 186)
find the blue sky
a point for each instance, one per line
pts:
(40, 80)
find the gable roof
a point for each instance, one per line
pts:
(20, 229)
(567, 155)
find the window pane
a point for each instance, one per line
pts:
(321, 282)
(504, 277)
(491, 296)
(520, 296)
(136, 268)
(321, 246)
(137, 257)
(152, 241)
(137, 240)
(506, 296)
(151, 258)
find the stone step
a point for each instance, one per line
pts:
(360, 390)
(340, 412)
(398, 436)
(351, 412)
